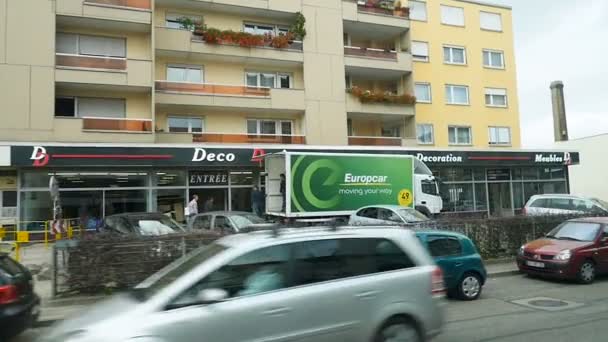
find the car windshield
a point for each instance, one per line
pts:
(576, 231)
(157, 225)
(411, 215)
(244, 220)
(175, 270)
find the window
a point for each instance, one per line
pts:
(65, 106)
(452, 15)
(425, 133)
(271, 127)
(500, 136)
(389, 215)
(457, 94)
(256, 272)
(369, 213)
(174, 21)
(490, 21)
(101, 107)
(496, 97)
(222, 224)
(265, 29)
(326, 260)
(493, 59)
(185, 124)
(459, 135)
(70, 43)
(349, 127)
(423, 92)
(269, 80)
(454, 55)
(185, 73)
(9, 199)
(202, 222)
(392, 132)
(444, 246)
(417, 10)
(420, 51)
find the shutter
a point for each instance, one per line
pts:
(452, 15)
(101, 108)
(417, 10)
(490, 21)
(420, 49)
(496, 91)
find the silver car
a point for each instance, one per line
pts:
(228, 222)
(386, 214)
(563, 204)
(318, 284)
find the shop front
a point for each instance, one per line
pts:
(97, 181)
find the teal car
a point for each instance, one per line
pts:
(463, 270)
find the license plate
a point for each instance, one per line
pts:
(535, 264)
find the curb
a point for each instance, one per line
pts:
(501, 274)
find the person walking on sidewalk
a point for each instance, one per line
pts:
(257, 201)
(192, 209)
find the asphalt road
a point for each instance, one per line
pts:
(581, 313)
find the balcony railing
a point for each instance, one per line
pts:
(374, 141)
(369, 52)
(295, 45)
(248, 138)
(117, 125)
(211, 89)
(90, 62)
(139, 4)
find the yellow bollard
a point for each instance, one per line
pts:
(46, 234)
(70, 231)
(17, 252)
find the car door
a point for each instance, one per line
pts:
(448, 254)
(258, 308)
(201, 222)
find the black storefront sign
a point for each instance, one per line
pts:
(199, 178)
(90, 156)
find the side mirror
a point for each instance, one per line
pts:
(210, 296)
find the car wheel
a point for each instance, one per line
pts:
(469, 287)
(398, 330)
(586, 273)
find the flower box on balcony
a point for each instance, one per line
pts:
(368, 96)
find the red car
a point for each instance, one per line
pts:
(576, 249)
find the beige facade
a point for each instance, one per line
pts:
(136, 53)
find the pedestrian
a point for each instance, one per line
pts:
(192, 209)
(208, 206)
(282, 190)
(257, 201)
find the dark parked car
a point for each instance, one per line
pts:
(19, 305)
(576, 249)
(143, 224)
(463, 269)
(228, 222)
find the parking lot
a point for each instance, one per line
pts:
(517, 308)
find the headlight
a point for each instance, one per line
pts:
(521, 250)
(563, 255)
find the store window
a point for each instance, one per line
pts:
(171, 202)
(125, 201)
(169, 178)
(35, 208)
(72, 180)
(457, 197)
(481, 197)
(86, 206)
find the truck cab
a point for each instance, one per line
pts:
(426, 194)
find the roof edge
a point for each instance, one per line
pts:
(487, 4)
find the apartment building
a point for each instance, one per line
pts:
(464, 72)
(136, 105)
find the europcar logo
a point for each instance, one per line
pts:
(319, 179)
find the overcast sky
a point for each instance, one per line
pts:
(561, 40)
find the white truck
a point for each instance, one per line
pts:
(311, 184)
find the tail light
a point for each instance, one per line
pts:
(437, 285)
(8, 294)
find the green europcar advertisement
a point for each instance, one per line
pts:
(335, 183)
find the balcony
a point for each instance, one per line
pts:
(355, 106)
(184, 44)
(367, 18)
(220, 96)
(376, 61)
(248, 138)
(117, 125)
(373, 141)
(73, 130)
(97, 70)
(117, 15)
(274, 8)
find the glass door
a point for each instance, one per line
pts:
(499, 199)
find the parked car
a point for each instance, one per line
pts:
(386, 214)
(463, 270)
(19, 305)
(539, 205)
(142, 224)
(228, 222)
(313, 284)
(576, 249)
